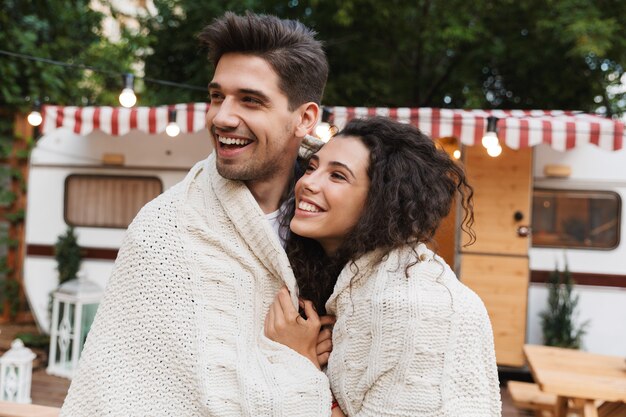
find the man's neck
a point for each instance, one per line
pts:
(268, 193)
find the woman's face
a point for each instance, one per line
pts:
(331, 194)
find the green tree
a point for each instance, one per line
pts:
(554, 54)
(61, 30)
(174, 51)
(486, 54)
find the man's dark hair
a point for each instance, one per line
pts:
(413, 185)
(288, 46)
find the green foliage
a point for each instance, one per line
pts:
(174, 52)
(453, 53)
(16, 216)
(8, 242)
(557, 322)
(7, 197)
(9, 290)
(34, 340)
(63, 31)
(68, 256)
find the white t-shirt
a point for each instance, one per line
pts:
(274, 219)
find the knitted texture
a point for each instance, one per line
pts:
(180, 329)
(411, 347)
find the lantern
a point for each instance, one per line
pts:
(74, 306)
(16, 371)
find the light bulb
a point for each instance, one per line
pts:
(34, 118)
(128, 97)
(322, 131)
(490, 139)
(172, 129)
(325, 131)
(456, 154)
(494, 151)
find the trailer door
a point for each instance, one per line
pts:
(496, 266)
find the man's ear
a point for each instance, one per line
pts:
(309, 115)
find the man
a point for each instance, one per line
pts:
(179, 332)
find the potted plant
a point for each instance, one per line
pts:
(68, 256)
(558, 320)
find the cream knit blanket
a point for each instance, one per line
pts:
(416, 347)
(179, 332)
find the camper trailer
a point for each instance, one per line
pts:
(579, 221)
(94, 167)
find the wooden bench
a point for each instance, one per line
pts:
(609, 409)
(8, 409)
(528, 396)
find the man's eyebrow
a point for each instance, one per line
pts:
(258, 93)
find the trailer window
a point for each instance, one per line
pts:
(107, 201)
(576, 219)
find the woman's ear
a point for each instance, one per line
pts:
(309, 115)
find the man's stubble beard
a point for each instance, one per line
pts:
(248, 171)
(251, 170)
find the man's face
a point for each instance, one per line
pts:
(249, 118)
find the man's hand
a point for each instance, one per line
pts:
(325, 340)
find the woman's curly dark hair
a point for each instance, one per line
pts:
(413, 185)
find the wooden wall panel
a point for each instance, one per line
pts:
(502, 186)
(502, 283)
(445, 238)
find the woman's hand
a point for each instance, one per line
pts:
(336, 412)
(284, 325)
(325, 340)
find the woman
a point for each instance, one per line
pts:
(410, 339)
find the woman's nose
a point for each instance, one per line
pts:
(311, 182)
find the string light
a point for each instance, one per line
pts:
(456, 154)
(107, 73)
(172, 129)
(34, 118)
(494, 151)
(324, 130)
(127, 97)
(490, 138)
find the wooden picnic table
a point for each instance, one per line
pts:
(8, 409)
(581, 376)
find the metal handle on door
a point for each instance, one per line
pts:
(523, 231)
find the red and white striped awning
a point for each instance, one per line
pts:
(562, 130)
(117, 121)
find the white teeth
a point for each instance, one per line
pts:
(232, 141)
(308, 207)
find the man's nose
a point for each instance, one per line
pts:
(225, 116)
